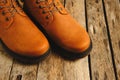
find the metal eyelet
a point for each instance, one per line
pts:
(37, 2)
(40, 7)
(1, 7)
(3, 13)
(47, 17)
(43, 12)
(7, 19)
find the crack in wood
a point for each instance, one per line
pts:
(113, 23)
(119, 73)
(96, 75)
(105, 76)
(94, 31)
(100, 24)
(119, 44)
(106, 44)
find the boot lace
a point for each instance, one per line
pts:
(50, 7)
(10, 9)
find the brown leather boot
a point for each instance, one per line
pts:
(60, 26)
(20, 36)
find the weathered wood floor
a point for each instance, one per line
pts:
(102, 20)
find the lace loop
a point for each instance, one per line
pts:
(41, 7)
(38, 1)
(49, 7)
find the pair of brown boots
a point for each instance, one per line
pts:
(26, 42)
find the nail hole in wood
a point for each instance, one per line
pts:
(72, 4)
(96, 1)
(98, 10)
(93, 18)
(105, 42)
(100, 24)
(19, 77)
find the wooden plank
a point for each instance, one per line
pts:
(5, 64)
(113, 19)
(101, 61)
(23, 72)
(56, 68)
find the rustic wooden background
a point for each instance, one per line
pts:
(102, 20)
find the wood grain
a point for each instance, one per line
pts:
(113, 20)
(101, 61)
(5, 64)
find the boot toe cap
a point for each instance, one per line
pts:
(80, 47)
